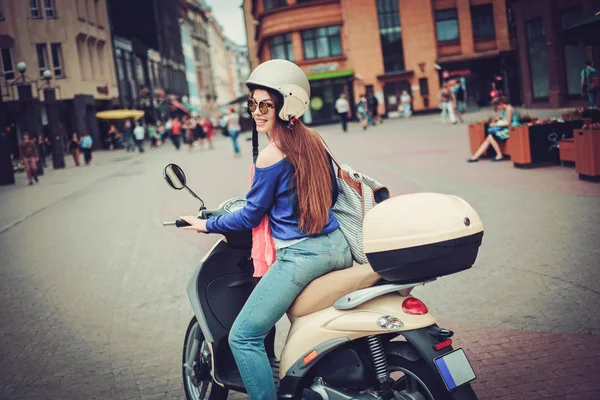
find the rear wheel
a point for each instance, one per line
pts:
(415, 380)
(197, 379)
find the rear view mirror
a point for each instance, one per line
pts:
(174, 176)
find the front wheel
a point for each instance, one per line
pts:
(197, 379)
(415, 380)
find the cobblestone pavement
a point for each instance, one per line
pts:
(92, 286)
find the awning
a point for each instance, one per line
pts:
(120, 114)
(330, 75)
(587, 31)
(180, 106)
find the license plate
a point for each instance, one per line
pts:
(455, 369)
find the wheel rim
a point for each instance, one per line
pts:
(407, 385)
(198, 384)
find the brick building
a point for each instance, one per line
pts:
(554, 42)
(71, 39)
(386, 46)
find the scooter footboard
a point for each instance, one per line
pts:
(449, 366)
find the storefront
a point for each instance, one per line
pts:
(325, 88)
(477, 74)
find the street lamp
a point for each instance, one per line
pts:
(58, 151)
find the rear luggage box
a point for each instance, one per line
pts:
(421, 236)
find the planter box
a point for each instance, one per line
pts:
(537, 145)
(587, 154)
(566, 151)
(476, 136)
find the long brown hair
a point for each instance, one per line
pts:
(304, 149)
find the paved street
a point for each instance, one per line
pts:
(92, 286)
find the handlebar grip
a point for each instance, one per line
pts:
(180, 223)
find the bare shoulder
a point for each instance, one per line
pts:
(270, 155)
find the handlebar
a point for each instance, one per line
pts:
(178, 223)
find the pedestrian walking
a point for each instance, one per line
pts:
(590, 83)
(406, 104)
(447, 104)
(373, 108)
(342, 107)
(29, 157)
(232, 124)
(140, 134)
(459, 97)
(152, 134)
(176, 127)
(128, 137)
(160, 132)
(209, 131)
(86, 147)
(113, 135)
(42, 152)
(363, 111)
(74, 149)
(198, 131)
(168, 130)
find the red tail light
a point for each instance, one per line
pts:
(443, 345)
(414, 306)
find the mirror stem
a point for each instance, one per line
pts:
(196, 196)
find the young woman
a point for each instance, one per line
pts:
(498, 129)
(74, 148)
(294, 185)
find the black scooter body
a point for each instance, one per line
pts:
(224, 284)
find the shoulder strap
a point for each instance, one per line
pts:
(254, 142)
(330, 154)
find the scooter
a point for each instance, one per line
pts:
(378, 342)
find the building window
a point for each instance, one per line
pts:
(7, 64)
(57, 60)
(322, 42)
(390, 34)
(482, 20)
(196, 53)
(510, 17)
(42, 56)
(424, 86)
(271, 4)
(49, 9)
(35, 8)
(1, 10)
(281, 47)
(571, 17)
(538, 57)
(446, 25)
(574, 55)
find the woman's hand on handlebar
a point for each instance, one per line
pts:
(196, 224)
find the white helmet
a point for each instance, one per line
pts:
(287, 79)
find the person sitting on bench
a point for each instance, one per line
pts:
(498, 129)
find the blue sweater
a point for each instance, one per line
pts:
(272, 193)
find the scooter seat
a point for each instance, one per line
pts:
(325, 290)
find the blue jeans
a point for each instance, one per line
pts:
(592, 96)
(407, 110)
(295, 268)
(234, 138)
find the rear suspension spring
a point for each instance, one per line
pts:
(379, 359)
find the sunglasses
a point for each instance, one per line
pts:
(263, 106)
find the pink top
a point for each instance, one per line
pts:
(264, 252)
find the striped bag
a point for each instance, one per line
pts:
(358, 194)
